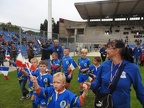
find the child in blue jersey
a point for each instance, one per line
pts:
(34, 62)
(44, 80)
(22, 81)
(58, 96)
(66, 61)
(130, 76)
(55, 63)
(83, 65)
(94, 68)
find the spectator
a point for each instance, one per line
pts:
(103, 53)
(13, 52)
(2, 55)
(30, 51)
(6, 47)
(137, 52)
(24, 48)
(130, 49)
(77, 50)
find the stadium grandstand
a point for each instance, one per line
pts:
(21, 36)
(104, 21)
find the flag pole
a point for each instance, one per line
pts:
(27, 66)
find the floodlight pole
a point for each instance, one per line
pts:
(75, 35)
(49, 26)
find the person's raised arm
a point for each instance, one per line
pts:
(35, 83)
(23, 71)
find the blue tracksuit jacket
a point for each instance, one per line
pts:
(121, 95)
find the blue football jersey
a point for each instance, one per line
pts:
(65, 99)
(66, 61)
(44, 80)
(34, 73)
(55, 63)
(93, 69)
(83, 63)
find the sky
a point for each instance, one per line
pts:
(31, 13)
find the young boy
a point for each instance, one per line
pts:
(22, 81)
(44, 80)
(55, 63)
(83, 65)
(66, 61)
(58, 96)
(94, 69)
(34, 62)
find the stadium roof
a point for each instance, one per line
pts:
(110, 9)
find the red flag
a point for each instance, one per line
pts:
(20, 60)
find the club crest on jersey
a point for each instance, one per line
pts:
(123, 75)
(85, 64)
(67, 62)
(45, 80)
(63, 104)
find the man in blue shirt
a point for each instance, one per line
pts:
(137, 52)
(103, 53)
(58, 49)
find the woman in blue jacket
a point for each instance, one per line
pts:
(119, 55)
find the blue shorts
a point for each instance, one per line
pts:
(40, 101)
(82, 78)
(66, 75)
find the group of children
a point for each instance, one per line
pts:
(50, 88)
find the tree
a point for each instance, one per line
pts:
(9, 27)
(55, 27)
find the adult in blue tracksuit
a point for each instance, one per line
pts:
(58, 49)
(137, 52)
(103, 53)
(130, 76)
